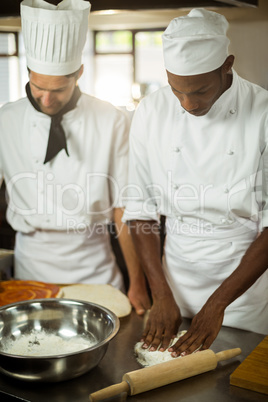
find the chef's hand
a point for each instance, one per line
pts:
(162, 324)
(138, 297)
(203, 331)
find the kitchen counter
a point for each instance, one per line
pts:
(119, 359)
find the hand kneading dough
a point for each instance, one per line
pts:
(104, 295)
(147, 358)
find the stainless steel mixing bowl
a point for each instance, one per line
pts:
(65, 318)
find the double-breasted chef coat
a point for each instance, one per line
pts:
(60, 209)
(209, 176)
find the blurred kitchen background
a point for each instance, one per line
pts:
(123, 54)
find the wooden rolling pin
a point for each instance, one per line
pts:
(152, 377)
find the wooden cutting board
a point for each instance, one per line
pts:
(253, 371)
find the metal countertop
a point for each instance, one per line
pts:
(119, 359)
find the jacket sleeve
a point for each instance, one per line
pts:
(119, 160)
(1, 161)
(264, 178)
(141, 202)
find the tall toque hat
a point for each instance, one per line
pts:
(54, 36)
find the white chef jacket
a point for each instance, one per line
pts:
(209, 176)
(68, 201)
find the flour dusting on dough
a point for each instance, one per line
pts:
(150, 358)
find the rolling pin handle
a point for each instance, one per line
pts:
(228, 354)
(108, 392)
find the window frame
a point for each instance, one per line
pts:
(134, 32)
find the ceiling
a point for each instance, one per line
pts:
(11, 8)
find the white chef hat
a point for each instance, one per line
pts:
(195, 43)
(54, 36)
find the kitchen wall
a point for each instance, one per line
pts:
(249, 45)
(249, 42)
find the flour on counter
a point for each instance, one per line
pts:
(150, 358)
(45, 344)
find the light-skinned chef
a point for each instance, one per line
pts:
(64, 156)
(199, 157)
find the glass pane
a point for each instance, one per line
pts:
(150, 70)
(112, 42)
(4, 80)
(113, 78)
(7, 43)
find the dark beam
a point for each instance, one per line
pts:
(11, 8)
(238, 3)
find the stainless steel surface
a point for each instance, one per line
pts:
(119, 359)
(65, 318)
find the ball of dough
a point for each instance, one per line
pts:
(150, 358)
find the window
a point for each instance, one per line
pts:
(149, 64)
(128, 65)
(9, 67)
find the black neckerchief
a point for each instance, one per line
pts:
(57, 139)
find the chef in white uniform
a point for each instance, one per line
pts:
(64, 157)
(199, 156)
